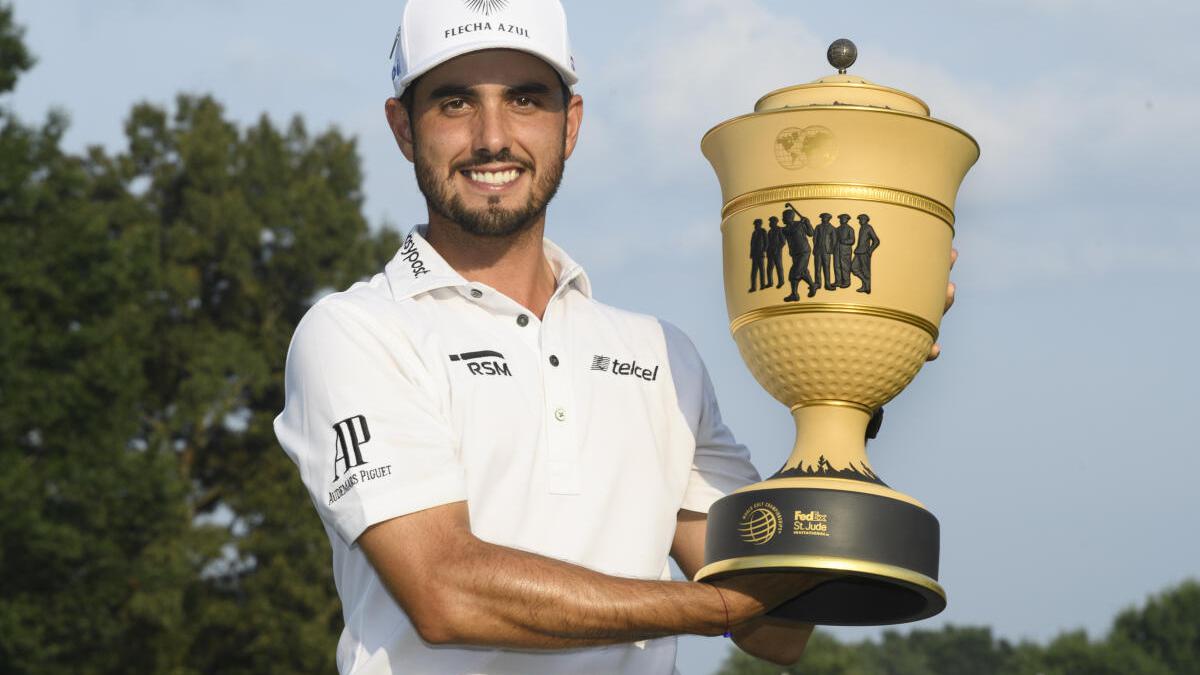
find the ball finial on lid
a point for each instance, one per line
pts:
(842, 54)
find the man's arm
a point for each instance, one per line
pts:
(778, 641)
(459, 589)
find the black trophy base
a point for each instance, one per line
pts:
(880, 552)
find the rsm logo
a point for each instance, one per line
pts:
(483, 363)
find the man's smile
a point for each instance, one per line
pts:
(493, 179)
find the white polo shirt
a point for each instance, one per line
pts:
(579, 436)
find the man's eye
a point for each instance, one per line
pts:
(523, 101)
(454, 104)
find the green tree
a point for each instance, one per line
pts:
(93, 528)
(1161, 638)
(148, 520)
(1167, 628)
(253, 227)
(1072, 653)
(950, 650)
(14, 58)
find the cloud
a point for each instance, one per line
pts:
(1070, 155)
(1090, 6)
(713, 63)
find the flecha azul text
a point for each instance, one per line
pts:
(479, 26)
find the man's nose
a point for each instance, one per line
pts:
(492, 133)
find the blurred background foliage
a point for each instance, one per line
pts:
(148, 521)
(1160, 638)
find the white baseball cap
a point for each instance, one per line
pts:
(434, 31)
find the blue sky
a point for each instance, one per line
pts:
(1054, 439)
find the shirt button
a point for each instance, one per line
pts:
(560, 414)
(554, 360)
(476, 293)
(523, 320)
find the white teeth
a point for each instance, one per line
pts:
(494, 177)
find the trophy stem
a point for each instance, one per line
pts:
(830, 443)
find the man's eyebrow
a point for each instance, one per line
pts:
(530, 88)
(450, 90)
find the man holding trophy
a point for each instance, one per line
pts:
(502, 463)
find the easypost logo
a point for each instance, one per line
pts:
(608, 364)
(410, 254)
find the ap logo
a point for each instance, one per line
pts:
(352, 434)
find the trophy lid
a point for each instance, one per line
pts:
(842, 89)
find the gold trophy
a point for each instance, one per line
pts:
(837, 225)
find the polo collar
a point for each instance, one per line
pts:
(417, 268)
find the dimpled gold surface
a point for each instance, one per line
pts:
(813, 356)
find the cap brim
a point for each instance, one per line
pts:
(569, 78)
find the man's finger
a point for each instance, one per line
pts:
(936, 351)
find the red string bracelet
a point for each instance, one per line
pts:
(721, 595)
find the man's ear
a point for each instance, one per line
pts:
(401, 125)
(574, 121)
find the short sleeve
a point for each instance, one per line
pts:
(362, 423)
(720, 464)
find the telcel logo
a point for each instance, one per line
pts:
(628, 368)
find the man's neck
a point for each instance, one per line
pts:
(515, 265)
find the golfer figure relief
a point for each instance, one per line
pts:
(868, 241)
(758, 254)
(775, 253)
(823, 245)
(844, 246)
(796, 231)
(837, 252)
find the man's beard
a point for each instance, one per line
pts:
(494, 221)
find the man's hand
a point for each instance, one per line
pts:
(779, 641)
(936, 351)
(749, 596)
